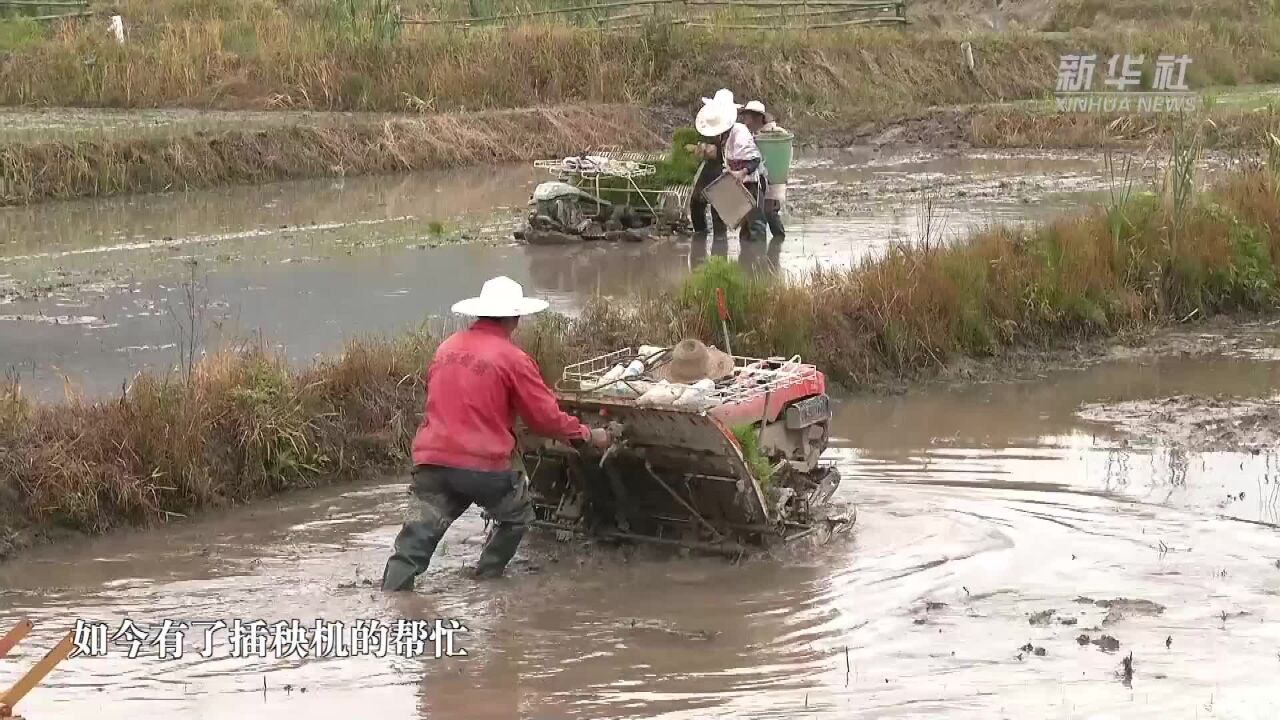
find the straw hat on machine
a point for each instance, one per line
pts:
(692, 361)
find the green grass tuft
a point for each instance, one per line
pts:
(699, 291)
(757, 463)
(19, 34)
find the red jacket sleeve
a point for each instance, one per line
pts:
(538, 407)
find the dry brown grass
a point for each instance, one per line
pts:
(37, 170)
(257, 55)
(244, 426)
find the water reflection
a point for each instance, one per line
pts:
(756, 258)
(612, 269)
(761, 258)
(276, 211)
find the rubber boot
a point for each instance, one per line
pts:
(498, 550)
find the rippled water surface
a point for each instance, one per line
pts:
(995, 527)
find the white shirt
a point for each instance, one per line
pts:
(740, 147)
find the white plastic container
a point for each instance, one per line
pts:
(696, 394)
(635, 369)
(730, 199)
(663, 393)
(614, 374)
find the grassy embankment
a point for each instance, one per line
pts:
(245, 55)
(244, 425)
(270, 151)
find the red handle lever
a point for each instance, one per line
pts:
(724, 313)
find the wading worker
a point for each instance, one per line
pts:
(476, 384)
(758, 121)
(711, 168)
(719, 119)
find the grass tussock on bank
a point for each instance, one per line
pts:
(106, 165)
(245, 425)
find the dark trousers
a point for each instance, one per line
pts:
(753, 226)
(440, 496)
(773, 216)
(698, 205)
(698, 208)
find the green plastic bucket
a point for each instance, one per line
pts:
(775, 148)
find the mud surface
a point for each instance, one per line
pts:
(89, 289)
(1010, 557)
(1200, 423)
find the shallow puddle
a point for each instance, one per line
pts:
(995, 528)
(309, 264)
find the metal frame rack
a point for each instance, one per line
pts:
(751, 378)
(584, 174)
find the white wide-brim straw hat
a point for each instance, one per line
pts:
(500, 297)
(754, 106)
(715, 118)
(723, 96)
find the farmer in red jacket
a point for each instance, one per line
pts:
(477, 383)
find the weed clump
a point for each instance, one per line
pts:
(243, 426)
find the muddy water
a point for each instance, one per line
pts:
(990, 518)
(89, 289)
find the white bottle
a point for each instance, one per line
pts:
(614, 373)
(635, 369)
(659, 394)
(696, 394)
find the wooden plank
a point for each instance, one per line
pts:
(863, 21)
(625, 16)
(51, 3)
(637, 26)
(14, 636)
(33, 677)
(894, 20)
(537, 13)
(865, 5)
(802, 14)
(861, 4)
(43, 18)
